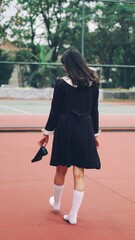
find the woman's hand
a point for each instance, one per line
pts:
(44, 141)
(97, 142)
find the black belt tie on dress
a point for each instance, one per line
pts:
(80, 115)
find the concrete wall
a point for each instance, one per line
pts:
(118, 94)
(47, 93)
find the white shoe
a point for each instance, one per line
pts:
(68, 218)
(51, 201)
(76, 203)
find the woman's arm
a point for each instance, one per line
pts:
(57, 101)
(94, 113)
(55, 108)
(95, 116)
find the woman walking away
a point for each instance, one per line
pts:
(73, 119)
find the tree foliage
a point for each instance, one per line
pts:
(52, 26)
(113, 40)
(5, 69)
(3, 26)
(55, 19)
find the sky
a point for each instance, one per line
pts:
(10, 10)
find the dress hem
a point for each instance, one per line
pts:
(97, 168)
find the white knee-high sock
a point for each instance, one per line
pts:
(55, 200)
(76, 203)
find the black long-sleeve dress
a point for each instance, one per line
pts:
(74, 119)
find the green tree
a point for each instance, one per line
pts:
(36, 73)
(113, 40)
(5, 69)
(57, 19)
(3, 25)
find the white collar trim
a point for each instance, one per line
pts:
(68, 81)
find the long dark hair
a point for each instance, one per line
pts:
(77, 69)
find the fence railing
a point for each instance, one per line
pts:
(41, 75)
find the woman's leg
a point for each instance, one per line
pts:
(78, 194)
(59, 180)
(60, 174)
(78, 174)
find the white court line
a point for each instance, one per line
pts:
(15, 109)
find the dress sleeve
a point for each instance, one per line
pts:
(95, 113)
(55, 108)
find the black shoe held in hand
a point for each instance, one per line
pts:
(41, 152)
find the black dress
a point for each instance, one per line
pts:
(74, 119)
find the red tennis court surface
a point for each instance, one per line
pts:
(108, 209)
(36, 122)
